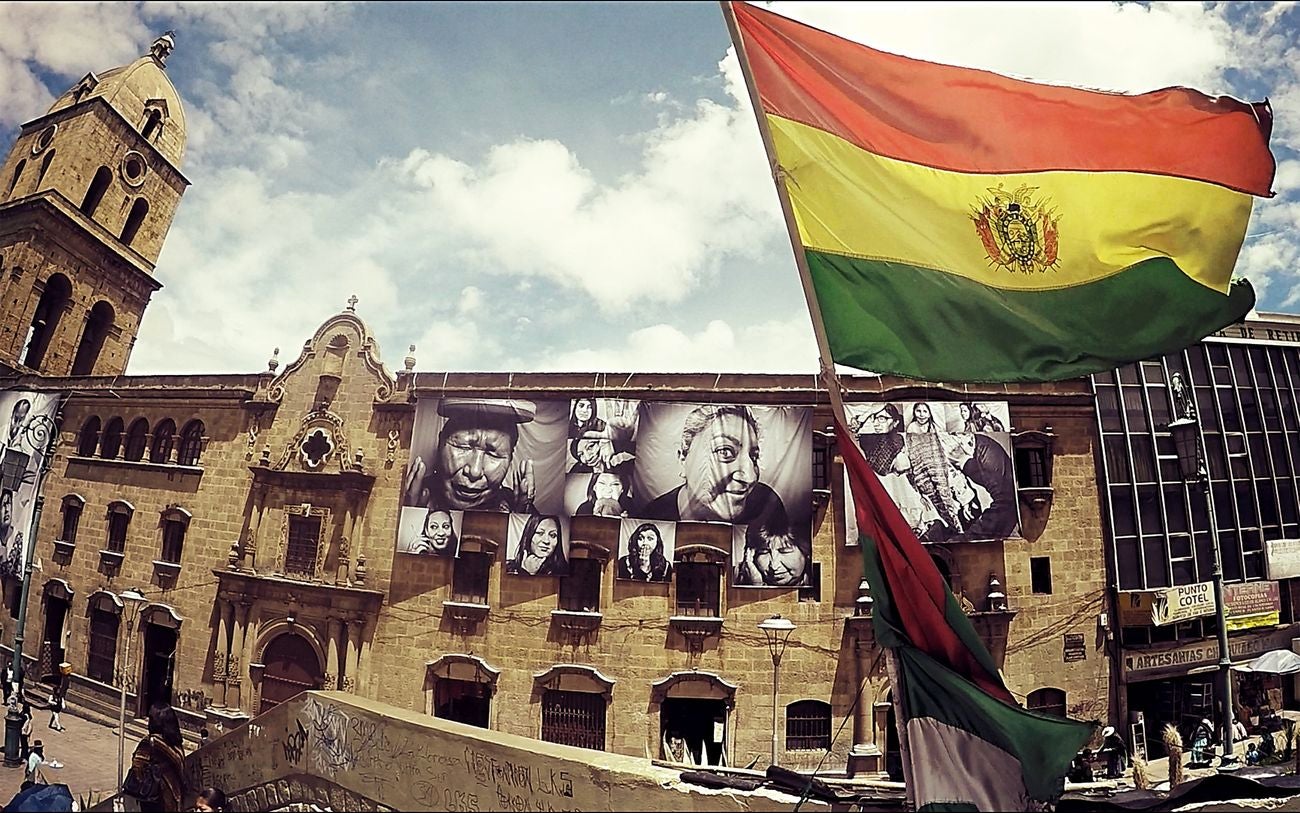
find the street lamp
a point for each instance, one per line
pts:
(1191, 465)
(777, 631)
(41, 433)
(132, 601)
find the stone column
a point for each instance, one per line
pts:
(225, 614)
(865, 756)
(332, 627)
(252, 626)
(353, 655)
(363, 658)
(249, 558)
(235, 664)
(345, 545)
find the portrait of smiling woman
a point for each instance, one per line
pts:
(538, 549)
(429, 532)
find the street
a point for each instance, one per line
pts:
(87, 750)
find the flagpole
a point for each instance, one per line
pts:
(833, 386)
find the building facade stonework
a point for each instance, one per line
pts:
(258, 515)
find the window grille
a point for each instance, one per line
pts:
(574, 718)
(469, 577)
(304, 542)
(699, 588)
(580, 590)
(102, 655)
(174, 540)
(808, 726)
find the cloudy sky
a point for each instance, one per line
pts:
(556, 186)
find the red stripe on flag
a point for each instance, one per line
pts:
(917, 590)
(969, 120)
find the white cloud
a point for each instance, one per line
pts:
(767, 347)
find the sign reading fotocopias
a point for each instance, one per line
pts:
(664, 462)
(1182, 603)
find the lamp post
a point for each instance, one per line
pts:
(1191, 465)
(132, 600)
(777, 631)
(41, 433)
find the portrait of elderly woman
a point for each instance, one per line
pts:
(768, 554)
(643, 554)
(539, 547)
(429, 532)
(721, 466)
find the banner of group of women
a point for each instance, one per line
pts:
(947, 466)
(649, 464)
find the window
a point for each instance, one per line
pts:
(164, 438)
(191, 444)
(136, 439)
(813, 590)
(152, 124)
(111, 442)
(469, 577)
(88, 437)
(96, 331)
(138, 211)
(1031, 467)
(175, 523)
(102, 656)
(580, 590)
(303, 545)
(45, 167)
(18, 171)
(119, 519)
(699, 588)
(72, 505)
(823, 448)
(1047, 701)
(808, 726)
(95, 193)
(53, 301)
(574, 718)
(1040, 574)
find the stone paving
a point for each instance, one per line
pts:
(87, 750)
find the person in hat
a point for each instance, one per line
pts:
(1115, 752)
(1201, 737)
(35, 758)
(474, 461)
(59, 697)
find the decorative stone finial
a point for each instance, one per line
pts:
(864, 601)
(352, 303)
(409, 361)
(274, 361)
(996, 598)
(163, 47)
(361, 569)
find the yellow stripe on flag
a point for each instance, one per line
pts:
(852, 202)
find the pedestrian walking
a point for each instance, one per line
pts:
(58, 697)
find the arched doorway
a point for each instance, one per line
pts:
(292, 667)
(460, 687)
(161, 627)
(58, 601)
(694, 717)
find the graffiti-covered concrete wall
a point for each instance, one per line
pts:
(333, 750)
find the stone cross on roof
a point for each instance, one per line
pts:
(163, 46)
(352, 302)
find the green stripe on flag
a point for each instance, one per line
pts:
(935, 326)
(1043, 744)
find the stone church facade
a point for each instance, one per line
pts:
(257, 513)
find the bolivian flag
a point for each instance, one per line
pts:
(960, 226)
(969, 746)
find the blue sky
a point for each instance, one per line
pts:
(556, 186)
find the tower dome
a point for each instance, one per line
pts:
(143, 94)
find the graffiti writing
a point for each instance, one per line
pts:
(294, 743)
(328, 729)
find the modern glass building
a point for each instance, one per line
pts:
(1245, 383)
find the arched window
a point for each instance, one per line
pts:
(164, 438)
(136, 440)
(111, 441)
(808, 726)
(92, 338)
(88, 437)
(175, 522)
(95, 192)
(119, 520)
(138, 210)
(152, 124)
(54, 299)
(72, 505)
(191, 443)
(105, 615)
(45, 167)
(1047, 701)
(574, 703)
(18, 171)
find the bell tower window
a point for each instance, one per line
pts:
(95, 193)
(18, 171)
(46, 319)
(45, 167)
(152, 124)
(92, 338)
(138, 210)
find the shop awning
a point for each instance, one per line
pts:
(1277, 662)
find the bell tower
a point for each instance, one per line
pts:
(87, 195)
